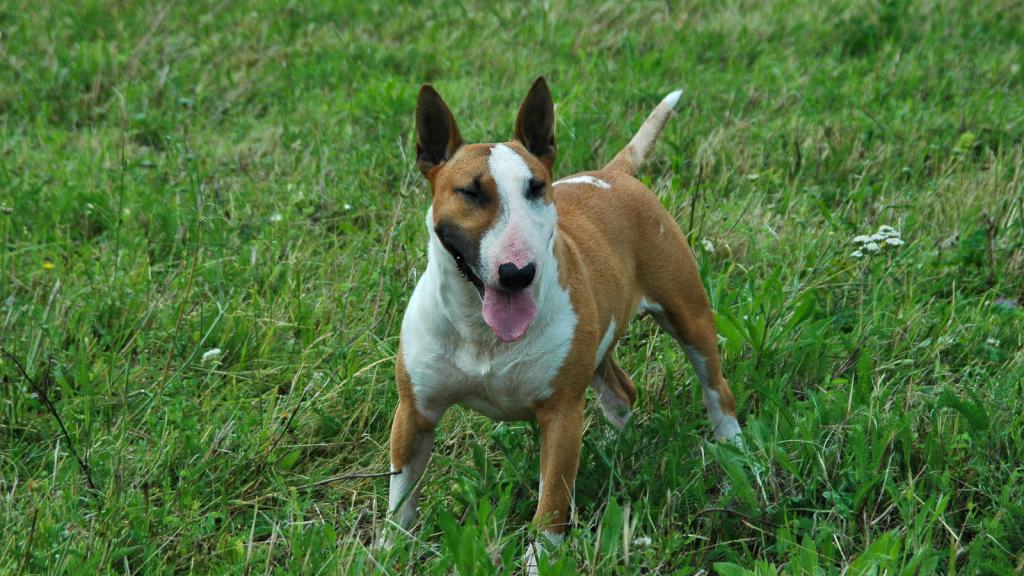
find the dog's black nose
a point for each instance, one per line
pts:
(515, 278)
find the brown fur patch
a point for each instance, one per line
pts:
(408, 423)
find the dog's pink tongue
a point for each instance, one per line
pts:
(509, 313)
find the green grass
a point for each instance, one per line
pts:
(180, 177)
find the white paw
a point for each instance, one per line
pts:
(383, 543)
(532, 557)
(734, 440)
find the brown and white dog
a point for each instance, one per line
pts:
(530, 282)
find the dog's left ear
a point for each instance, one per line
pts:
(535, 125)
(437, 134)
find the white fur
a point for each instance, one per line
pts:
(523, 227)
(672, 99)
(452, 355)
(605, 343)
(584, 180)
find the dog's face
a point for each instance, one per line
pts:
(493, 204)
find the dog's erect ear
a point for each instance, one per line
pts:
(437, 135)
(535, 126)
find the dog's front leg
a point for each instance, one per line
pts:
(561, 437)
(412, 439)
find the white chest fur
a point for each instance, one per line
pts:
(453, 357)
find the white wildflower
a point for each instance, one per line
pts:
(888, 231)
(879, 239)
(642, 542)
(276, 218)
(993, 342)
(753, 177)
(857, 254)
(211, 355)
(708, 246)
(347, 207)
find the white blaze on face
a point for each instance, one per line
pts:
(523, 227)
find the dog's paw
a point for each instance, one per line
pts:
(387, 537)
(734, 440)
(383, 543)
(532, 557)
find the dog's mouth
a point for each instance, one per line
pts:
(465, 270)
(508, 313)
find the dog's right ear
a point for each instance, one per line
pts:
(437, 135)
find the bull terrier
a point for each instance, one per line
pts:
(530, 283)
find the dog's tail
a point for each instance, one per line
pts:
(633, 155)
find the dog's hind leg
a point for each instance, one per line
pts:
(695, 331)
(615, 390)
(675, 297)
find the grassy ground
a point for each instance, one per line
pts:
(180, 177)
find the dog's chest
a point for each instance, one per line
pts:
(453, 357)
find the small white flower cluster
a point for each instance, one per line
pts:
(641, 542)
(211, 355)
(886, 237)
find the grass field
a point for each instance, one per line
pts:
(182, 177)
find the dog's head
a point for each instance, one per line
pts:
(493, 205)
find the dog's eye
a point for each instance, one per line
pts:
(536, 189)
(471, 192)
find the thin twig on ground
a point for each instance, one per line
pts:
(737, 513)
(41, 392)
(348, 477)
